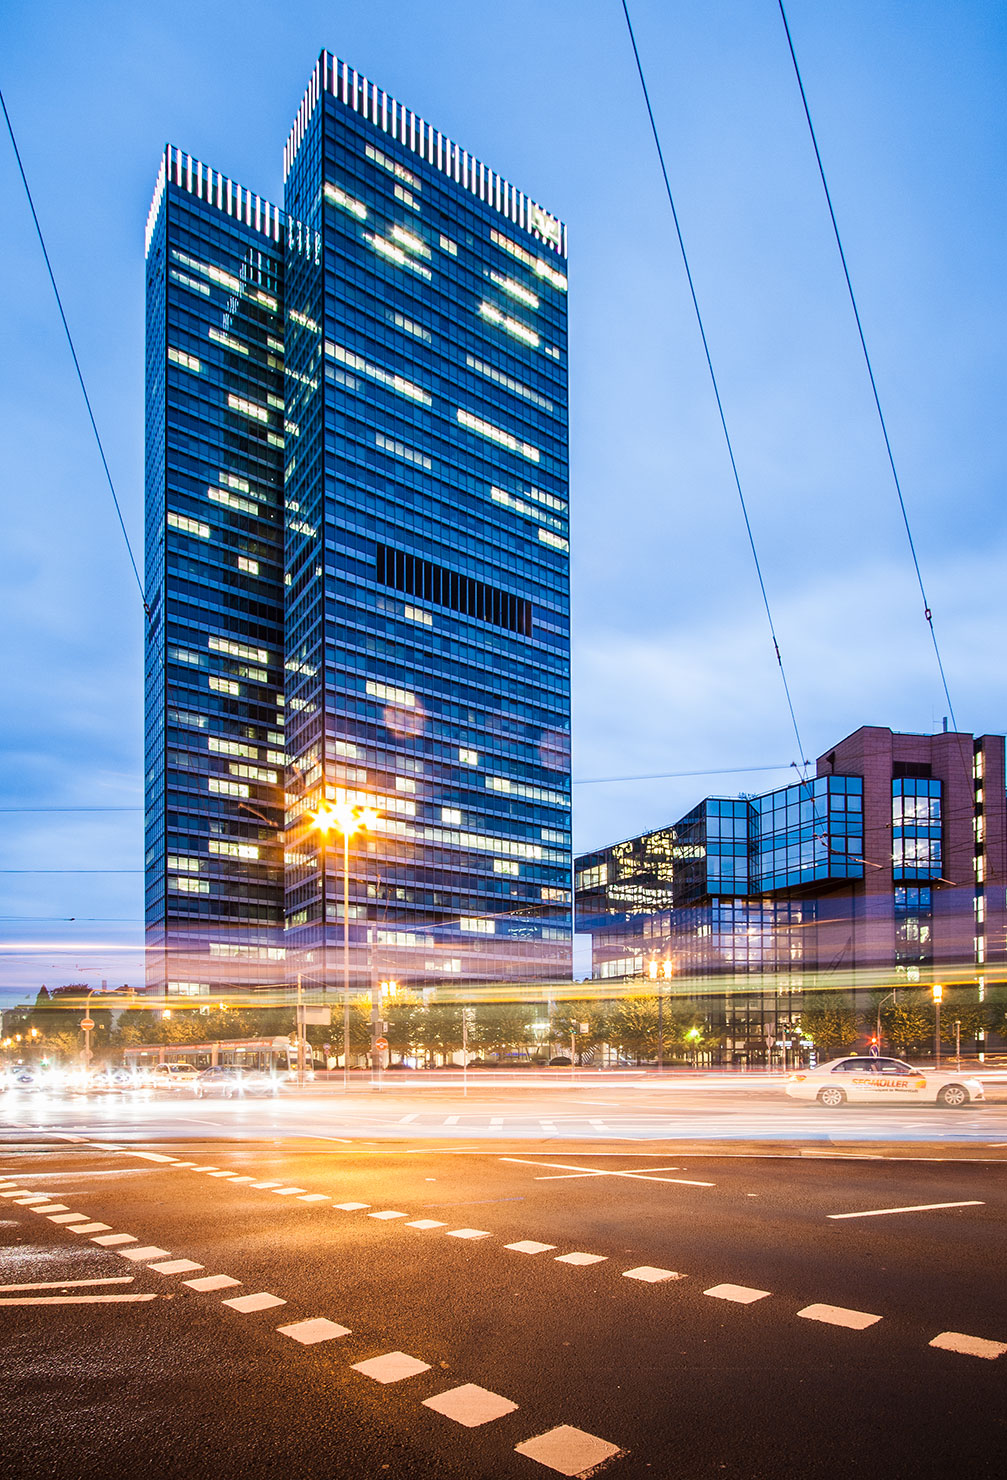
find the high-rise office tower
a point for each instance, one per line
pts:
(214, 580)
(426, 552)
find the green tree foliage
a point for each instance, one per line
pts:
(501, 1027)
(440, 1030)
(831, 1025)
(908, 1024)
(632, 1027)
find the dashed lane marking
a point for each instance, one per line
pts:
(50, 1207)
(650, 1274)
(260, 1185)
(247, 1303)
(119, 1279)
(289, 1191)
(211, 1282)
(836, 1315)
(568, 1451)
(222, 1174)
(919, 1208)
(176, 1266)
(470, 1405)
(529, 1246)
(313, 1197)
(350, 1207)
(969, 1346)
(87, 1227)
(74, 1299)
(242, 1179)
(32, 1197)
(578, 1258)
(387, 1213)
(425, 1223)
(110, 1240)
(391, 1367)
(67, 1217)
(149, 1251)
(741, 1294)
(497, 1120)
(468, 1233)
(308, 1333)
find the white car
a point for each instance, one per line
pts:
(873, 1081)
(175, 1077)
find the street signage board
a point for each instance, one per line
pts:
(87, 1024)
(381, 1044)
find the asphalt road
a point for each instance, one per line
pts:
(724, 1316)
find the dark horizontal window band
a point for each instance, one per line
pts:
(443, 587)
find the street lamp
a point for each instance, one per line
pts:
(938, 992)
(348, 819)
(660, 974)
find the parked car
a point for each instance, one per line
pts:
(875, 1081)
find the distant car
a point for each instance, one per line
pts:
(560, 1061)
(233, 1082)
(875, 1081)
(174, 1077)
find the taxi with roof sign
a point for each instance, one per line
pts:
(874, 1081)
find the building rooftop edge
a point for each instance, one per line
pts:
(373, 103)
(218, 190)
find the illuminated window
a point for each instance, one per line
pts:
(530, 793)
(252, 773)
(227, 341)
(592, 878)
(515, 289)
(390, 694)
(189, 886)
(556, 541)
(187, 362)
(224, 686)
(492, 314)
(189, 526)
(237, 649)
(406, 198)
(477, 925)
(405, 783)
(451, 814)
(346, 202)
(498, 435)
(447, 245)
(217, 746)
(415, 614)
(408, 327)
(556, 896)
(397, 383)
(492, 373)
(232, 501)
(220, 787)
(392, 166)
(398, 256)
(469, 757)
(251, 567)
(410, 241)
(504, 866)
(182, 865)
(247, 408)
(205, 269)
(540, 268)
(399, 449)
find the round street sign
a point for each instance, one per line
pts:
(381, 1044)
(87, 1024)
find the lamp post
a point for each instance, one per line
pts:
(347, 819)
(881, 1004)
(938, 992)
(660, 974)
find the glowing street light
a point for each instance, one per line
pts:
(346, 818)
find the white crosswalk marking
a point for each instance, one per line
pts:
(248, 1303)
(308, 1333)
(742, 1294)
(650, 1274)
(567, 1450)
(74, 1299)
(836, 1315)
(969, 1346)
(391, 1367)
(120, 1279)
(470, 1405)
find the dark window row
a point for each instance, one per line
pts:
(443, 587)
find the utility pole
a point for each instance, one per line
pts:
(938, 994)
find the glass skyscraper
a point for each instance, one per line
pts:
(418, 304)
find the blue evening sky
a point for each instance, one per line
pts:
(673, 667)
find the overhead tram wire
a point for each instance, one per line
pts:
(73, 353)
(716, 388)
(927, 612)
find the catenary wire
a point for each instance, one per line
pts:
(73, 353)
(713, 379)
(927, 612)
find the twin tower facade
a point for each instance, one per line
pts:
(357, 563)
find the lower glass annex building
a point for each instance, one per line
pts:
(357, 561)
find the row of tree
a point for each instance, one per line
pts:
(631, 1027)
